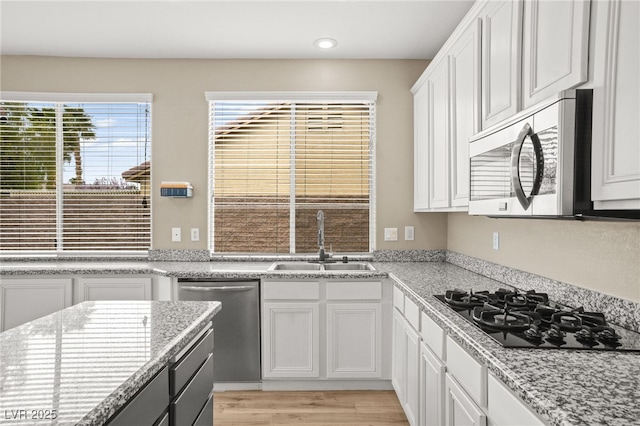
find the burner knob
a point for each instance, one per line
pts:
(533, 333)
(608, 335)
(555, 333)
(585, 335)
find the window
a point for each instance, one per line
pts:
(74, 172)
(276, 159)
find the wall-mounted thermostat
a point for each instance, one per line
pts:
(176, 189)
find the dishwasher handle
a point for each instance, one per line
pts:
(221, 288)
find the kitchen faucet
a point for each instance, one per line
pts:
(321, 253)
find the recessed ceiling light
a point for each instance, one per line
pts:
(325, 43)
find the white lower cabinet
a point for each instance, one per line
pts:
(290, 340)
(432, 375)
(460, 409)
(112, 288)
(26, 299)
(324, 329)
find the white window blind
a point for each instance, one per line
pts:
(74, 176)
(275, 163)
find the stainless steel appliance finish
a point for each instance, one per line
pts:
(236, 326)
(538, 163)
(526, 168)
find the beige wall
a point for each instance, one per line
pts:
(602, 256)
(180, 129)
(598, 255)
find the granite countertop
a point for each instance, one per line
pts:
(80, 365)
(566, 387)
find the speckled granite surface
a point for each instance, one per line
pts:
(565, 387)
(87, 361)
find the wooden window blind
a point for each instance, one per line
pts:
(74, 176)
(275, 163)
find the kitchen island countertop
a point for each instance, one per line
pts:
(80, 365)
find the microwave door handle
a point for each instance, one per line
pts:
(516, 183)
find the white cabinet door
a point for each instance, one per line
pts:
(406, 367)
(439, 133)
(354, 340)
(465, 109)
(555, 47)
(290, 340)
(412, 401)
(501, 60)
(421, 149)
(615, 179)
(26, 299)
(399, 356)
(460, 410)
(116, 288)
(432, 373)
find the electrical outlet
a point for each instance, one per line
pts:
(391, 234)
(408, 233)
(195, 234)
(176, 235)
(496, 241)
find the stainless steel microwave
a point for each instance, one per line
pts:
(538, 164)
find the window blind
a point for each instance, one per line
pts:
(74, 176)
(274, 164)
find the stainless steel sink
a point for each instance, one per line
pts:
(295, 266)
(348, 267)
(310, 266)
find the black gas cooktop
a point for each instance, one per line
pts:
(530, 320)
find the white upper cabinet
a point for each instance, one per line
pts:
(420, 149)
(501, 53)
(439, 131)
(615, 179)
(465, 109)
(555, 47)
(446, 115)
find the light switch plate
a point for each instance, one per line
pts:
(408, 233)
(391, 234)
(176, 235)
(496, 241)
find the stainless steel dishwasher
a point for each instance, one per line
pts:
(236, 328)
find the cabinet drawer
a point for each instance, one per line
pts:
(291, 290)
(398, 299)
(412, 313)
(468, 372)
(147, 406)
(366, 290)
(504, 408)
(206, 415)
(188, 405)
(433, 335)
(182, 371)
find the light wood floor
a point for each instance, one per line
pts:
(373, 408)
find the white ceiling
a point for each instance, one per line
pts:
(391, 29)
